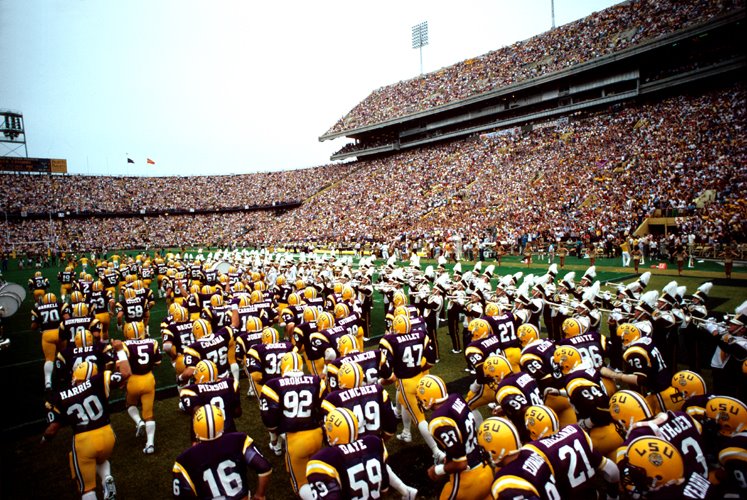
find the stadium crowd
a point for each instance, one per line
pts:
(601, 33)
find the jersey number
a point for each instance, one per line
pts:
(230, 480)
(575, 476)
(365, 480)
(297, 404)
(90, 409)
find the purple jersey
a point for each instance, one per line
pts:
(223, 393)
(454, 428)
(265, 359)
(218, 468)
(218, 316)
(588, 395)
(682, 431)
(406, 355)
(301, 336)
(179, 334)
(292, 314)
(213, 347)
(371, 406)
(643, 358)
(570, 455)
(84, 406)
(515, 394)
(71, 326)
(245, 313)
(478, 351)
(98, 353)
(48, 316)
(143, 355)
(350, 323)
(292, 404)
(245, 342)
(536, 359)
(322, 340)
(133, 309)
(592, 347)
(504, 327)
(353, 470)
(368, 360)
(532, 469)
(99, 301)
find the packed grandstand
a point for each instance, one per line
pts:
(541, 366)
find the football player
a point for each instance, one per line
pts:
(514, 392)
(484, 344)
(177, 335)
(454, 428)
(101, 302)
(83, 348)
(263, 360)
(347, 347)
(132, 309)
(208, 345)
(353, 466)
(66, 278)
(144, 356)
(201, 470)
(38, 286)
(46, 316)
(85, 407)
(291, 405)
(80, 319)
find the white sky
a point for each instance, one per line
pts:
(227, 86)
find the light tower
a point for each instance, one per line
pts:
(420, 39)
(12, 134)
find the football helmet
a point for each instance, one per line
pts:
(492, 309)
(270, 335)
(399, 298)
(541, 421)
(498, 437)
(337, 288)
(688, 383)
(400, 311)
(341, 311)
(245, 300)
(194, 288)
(260, 286)
(50, 298)
(206, 290)
(572, 327)
(172, 308)
(208, 422)
(134, 330)
(729, 413)
(87, 277)
(567, 358)
(38, 274)
(431, 390)
(84, 371)
(97, 286)
(347, 344)
(309, 292)
(341, 426)
(350, 375)
(83, 338)
(129, 293)
(310, 314)
(76, 296)
(650, 463)
(479, 328)
(253, 324)
(206, 371)
(80, 310)
(628, 333)
(216, 300)
(138, 285)
(527, 333)
(69, 269)
(280, 280)
(627, 408)
(129, 279)
(401, 324)
(496, 367)
(238, 287)
(291, 362)
(294, 299)
(348, 293)
(201, 328)
(325, 320)
(255, 276)
(300, 285)
(180, 314)
(256, 296)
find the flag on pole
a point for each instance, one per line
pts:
(149, 161)
(130, 160)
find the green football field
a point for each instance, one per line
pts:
(33, 470)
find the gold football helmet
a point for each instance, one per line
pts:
(83, 338)
(134, 330)
(84, 371)
(80, 310)
(256, 296)
(541, 421)
(627, 408)
(347, 344)
(341, 311)
(399, 298)
(270, 335)
(492, 309)
(628, 333)
(291, 362)
(348, 293)
(479, 328)
(208, 422)
(341, 426)
(76, 296)
(401, 324)
(50, 298)
(567, 358)
(499, 438)
(325, 320)
(431, 390)
(129, 293)
(309, 292)
(527, 333)
(253, 324)
(729, 413)
(201, 328)
(649, 464)
(206, 371)
(310, 314)
(350, 375)
(216, 300)
(572, 327)
(180, 314)
(689, 384)
(294, 299)
(496, 367)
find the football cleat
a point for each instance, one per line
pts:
(149, 450)
(405, 436)
(110, 489)
(410, 493)
(140, 430)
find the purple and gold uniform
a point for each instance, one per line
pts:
(195, 274)
(99, 301)
(514, 394)
(179, 336)
(223, 393)
(591, 403)
(250, 311)
(218, 316)
(733, 460)
(218, 468)
(537, 360)
(132, 310)
(369, 361)
(195, 302)
(85, 408)
(110, 279)
(263, 362)
(352, 325)
(527, 476)
(504, 327)
(100, 354)
(371, 406)
(454, 429)
(291, 405)
(353, 470)
(570, 446)
(83, 285)
(319, 342)
(592, 346)
(47, 318)
(144, 356)
(682, 431)
(38, 285)
(407, 357)
(213, 347)
(643, 359)
(66, 282)
(292, 315)
(71, 326)
(476, 353)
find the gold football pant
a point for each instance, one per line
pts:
(89, 449)
(407, 398)
(142, 388)
(469, 484)
(300, 446)
(484, 396)
(606, 440)
(50, 339)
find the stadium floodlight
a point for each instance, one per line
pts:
(420, 39)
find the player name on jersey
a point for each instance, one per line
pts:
(75, 390)
(355, 392)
